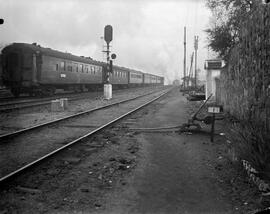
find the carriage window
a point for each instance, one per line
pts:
(76, 67)
(80, 67)
(56, 67)
(92, 70)
(69, 68)
(86, 68)
(62, 65)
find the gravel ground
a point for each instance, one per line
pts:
(123, 171)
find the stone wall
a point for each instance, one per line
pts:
(244, 86)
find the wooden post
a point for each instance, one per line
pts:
(213, 128)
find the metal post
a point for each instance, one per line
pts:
(185, 55)
(108, 36)
(196, 40)
(108, 64)
(213, 128)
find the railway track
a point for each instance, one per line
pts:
(22, 103)
(8, 106)
(28, 147)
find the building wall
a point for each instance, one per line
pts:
(245, 83)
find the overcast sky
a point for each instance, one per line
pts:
(147, 35)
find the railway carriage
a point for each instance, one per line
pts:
(35, 70)
(119, 77)
(135, 78)
(149, 79)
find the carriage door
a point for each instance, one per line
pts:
(13, 68)
(34, 68)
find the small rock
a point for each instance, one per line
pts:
(124, 161)
(122, 167)
(114, 140)
(56, 206)
(91, 150)
(129, 134)
(85, 190)
(29, 190)
(96, 164)
(97, 205)
(52, 171)
(71, 160)
(97, 145)
(112, 159)
(218, 167)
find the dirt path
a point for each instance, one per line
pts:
(176, 173)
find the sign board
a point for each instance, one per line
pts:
(214, 109)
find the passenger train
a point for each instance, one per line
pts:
(30, 68)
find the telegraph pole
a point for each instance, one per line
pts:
(196, 41)
(185, 56)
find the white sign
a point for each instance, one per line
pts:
(214, 109)
(63, 75)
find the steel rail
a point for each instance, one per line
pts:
(28, 99)
(34, 103)
(43, 101)
(68, 117)
(20, 170)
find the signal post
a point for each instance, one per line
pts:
(108, 35)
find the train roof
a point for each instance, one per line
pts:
(152, 75)
(50, 52)
(64, 55)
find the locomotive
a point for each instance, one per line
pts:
(30, 68)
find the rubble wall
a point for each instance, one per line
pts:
(244, 86)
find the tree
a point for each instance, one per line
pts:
(227, 19)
